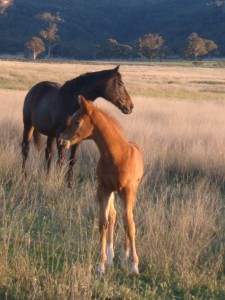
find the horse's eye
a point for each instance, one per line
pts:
(76, 123)
(120, 83)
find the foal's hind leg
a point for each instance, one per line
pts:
(73, 157)
(110, 233)
(129, 198)
(49, 151)
(104, 208)
(27, 135)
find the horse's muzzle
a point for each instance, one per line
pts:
(126, 110)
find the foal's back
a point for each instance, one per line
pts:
(124, 173)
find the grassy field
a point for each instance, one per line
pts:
(49, 234)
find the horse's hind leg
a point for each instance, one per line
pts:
(48, 152)
(27, 135)
(73, 157)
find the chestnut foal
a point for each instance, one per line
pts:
(119, 169)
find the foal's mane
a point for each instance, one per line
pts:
(111, 120)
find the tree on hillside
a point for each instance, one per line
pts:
(4, 4)
(110, 48)
(51, 37)
(35, 47)
(211, 46)
(150, 45)
(196, 47)
(50, 33)
(49, 18)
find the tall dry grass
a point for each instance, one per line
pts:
(49, 234)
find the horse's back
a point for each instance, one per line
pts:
(35, 94)
(37, 104)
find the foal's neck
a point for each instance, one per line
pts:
(108, 138)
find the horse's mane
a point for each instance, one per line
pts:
(75, 85)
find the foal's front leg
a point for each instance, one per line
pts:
(110, 233)
(104, 209)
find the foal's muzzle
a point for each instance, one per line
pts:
(64, 143)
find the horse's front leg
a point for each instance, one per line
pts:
(73, 157)
(61, 150)
(48, 152)
(129, 199)
(104, 208)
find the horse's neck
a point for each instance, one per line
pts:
(72, 89)
(108, 139)
(91, 91)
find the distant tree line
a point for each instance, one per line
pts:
(150, 46)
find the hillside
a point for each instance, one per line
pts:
(88, 22)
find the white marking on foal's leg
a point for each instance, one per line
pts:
(125, 257)
(100, 269)
(110, 254)
(126, 254)
(134, 268)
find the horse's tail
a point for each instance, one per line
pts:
(37, 139)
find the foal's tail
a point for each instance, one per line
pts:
(37, 139)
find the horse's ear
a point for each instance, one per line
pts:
(83, 102)
(116, 69)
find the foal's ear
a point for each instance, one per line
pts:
(83, 102)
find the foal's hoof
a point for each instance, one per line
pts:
(110, 255)
(109, 263)
(124, 259)
(134, 268)
(100, 269)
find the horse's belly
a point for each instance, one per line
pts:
(41, 119)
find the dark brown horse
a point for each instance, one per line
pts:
(49, 107)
